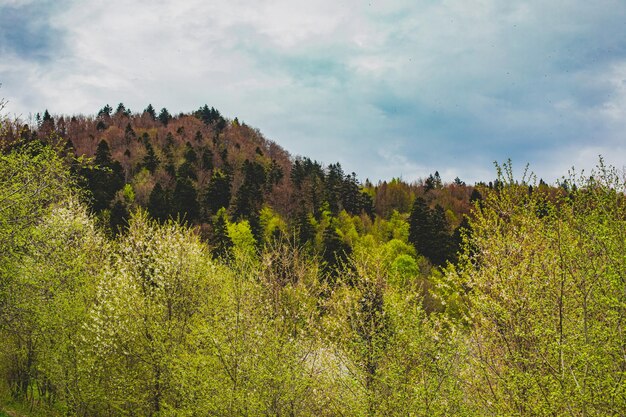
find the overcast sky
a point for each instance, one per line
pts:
(388, 88)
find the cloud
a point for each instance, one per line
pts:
(382, 87)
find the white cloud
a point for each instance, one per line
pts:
(446, 85)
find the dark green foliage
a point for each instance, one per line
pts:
(101, 126)
(210, 116)
(334, 187)
(105, 111)
(105, 179)
(164, 116)
(185, 200)
(207, 159)
(190, 154)
(47, 119)
(122, 110)
(118, 219)
(429, 232)
(457, 237)
(159, 203)
(151, 112)
(308, 177)
(219, 240)
(420, 232)
(129, 133)
(305, 232)
(441, 245)
(475, 196)
(432, 182)
(275, 174)
(217, 194)
(249, 197)
(335, 252)
(186, 170)
(150, 161)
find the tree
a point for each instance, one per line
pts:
(420, 226)
(151, 160)
(164, 116)
(159, 205)
(440, 242)
(150, 112)
(217, 194)
(220, 242)
(545, 298)
(103, 179)
(249, 197)
(185, 200)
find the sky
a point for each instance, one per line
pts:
(388, 88)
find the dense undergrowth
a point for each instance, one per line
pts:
(528, 321)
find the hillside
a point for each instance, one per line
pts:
(189, 166)
(146, 272)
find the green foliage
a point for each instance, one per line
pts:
(545, 299)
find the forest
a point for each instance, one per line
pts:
(184, 265)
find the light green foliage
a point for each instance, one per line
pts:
(148, 304)
(128, 193)
(547, 299)
(347, 226)
(272, 224)
(30, 181)
(397, 227)
(243, 240)
(46, 261)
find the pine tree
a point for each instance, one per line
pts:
(219, 240)
(185, 200)
(164, 116)
(441, 244)
(335, 253)
(217, 194)
(150, 111)
(420, 228)
(159, 204)
(249, 197)
(150, 161)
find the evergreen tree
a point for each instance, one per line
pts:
(119, 215)
(185, 200)
(105, 112)
(217, 194)
(159, 203)
(441, 245)
(334, 182)
(335, 252)
(305, 231)
(219, 240)
(190, 154)
(207, 159)
(164, 116)
(186, 170)
(150, 161)
(249, 198)
(420, 228)
(105, 179)
(150, 111)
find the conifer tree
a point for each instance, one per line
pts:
(159, 203)
(150, 161)
(217, 194)
(219, 240)
(185, 200)
(420, 229)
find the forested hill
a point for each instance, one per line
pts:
(294, 290)
(189, 166)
